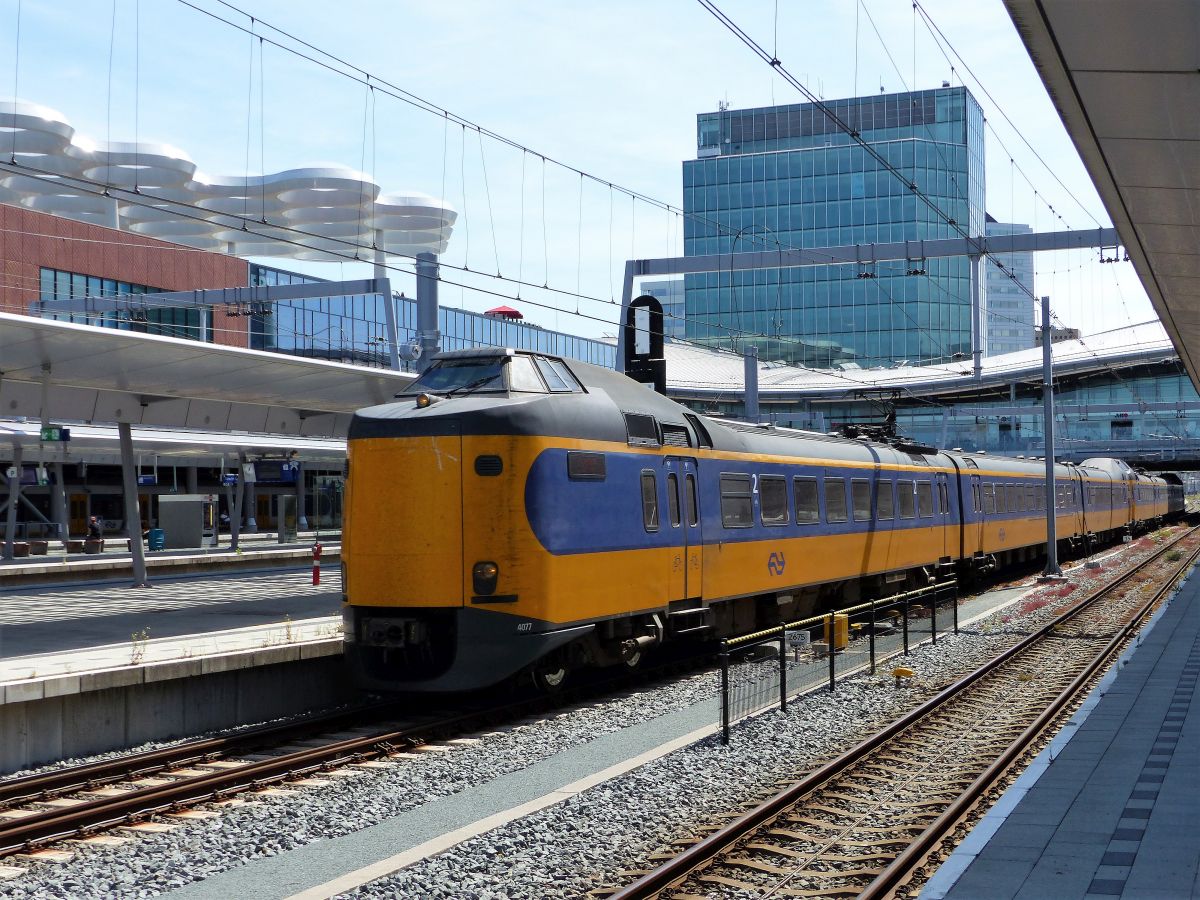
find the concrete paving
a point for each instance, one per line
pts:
(1108, 809)
(37, 621)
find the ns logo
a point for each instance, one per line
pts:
(775, 563)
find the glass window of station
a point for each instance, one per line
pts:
(352, 328)
(108, 303)
(788, 177)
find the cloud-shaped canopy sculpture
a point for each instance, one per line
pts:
(322, 212)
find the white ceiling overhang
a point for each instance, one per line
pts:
(1125, 77)
(80, 373)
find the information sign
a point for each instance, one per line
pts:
(55, 433)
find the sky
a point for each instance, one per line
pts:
(610, 89)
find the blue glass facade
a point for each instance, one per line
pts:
(787, 176)
(351, 328)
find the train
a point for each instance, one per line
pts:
(514, 514)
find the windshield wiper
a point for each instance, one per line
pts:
(472, 385)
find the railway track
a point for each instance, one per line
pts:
(37, 811)
(867, 823)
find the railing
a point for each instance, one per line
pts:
(767, 667)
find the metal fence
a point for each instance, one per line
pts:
(769, 666)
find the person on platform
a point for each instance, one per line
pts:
(94, 532)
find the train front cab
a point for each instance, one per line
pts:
(443, 579)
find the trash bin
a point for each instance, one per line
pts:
(157, 539)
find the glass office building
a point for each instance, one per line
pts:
(1008, 325)
(788, 177)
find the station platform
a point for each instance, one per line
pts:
(89, 668)
(116, 561)
(1108, 809)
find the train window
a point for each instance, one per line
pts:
(693, 507)
(642, 430)
(1030, 497)
(523, 376)
(976, 498)
(554, 380)
(970, 463)
(944, 497)
(459, 375)
(737, 510)
(925, 499)
(673, 499)
(886, 508)
(804, 491)
(860, 498)
(565, 374)
(649, 500)
(584, 465)
(906, 498)
(835, 500)
(989, 498)
(772, 499)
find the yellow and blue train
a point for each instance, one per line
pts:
(515, 513)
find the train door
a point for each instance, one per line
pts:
(683, 519)
(944, 519)
(972, 517)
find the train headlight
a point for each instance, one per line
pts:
(423, 400)
(483, 577)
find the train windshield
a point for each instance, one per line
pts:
(460, 376)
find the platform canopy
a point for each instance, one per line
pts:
(65, 372)
(1125, 77)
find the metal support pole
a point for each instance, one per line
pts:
(872, 637)
(58, 497)
(626, 299)
(783, 670)
(954, 606)
(133, 515)
(390, 319)
(1052, 568)
(906, 626)
(976, 315)
(750, 367)
(427, 308)
(301, 518)
(250, 504)
(239, 500)
(724, 696)
(933, 618)
(829, 623)
(14, 494)
(191, 479)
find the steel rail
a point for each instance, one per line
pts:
(902, 867)
(50, 825)
(46, 826)
(47, 785)
(679, 867)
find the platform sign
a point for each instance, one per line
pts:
(147, 479)
(248, 473)
(229, 479)
(55, 434)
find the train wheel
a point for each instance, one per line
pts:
(550, 675)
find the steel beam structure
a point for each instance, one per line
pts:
(855, 254)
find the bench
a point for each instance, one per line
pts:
(74, 546)
(38, 548)
(93, 545)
